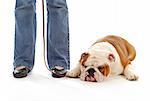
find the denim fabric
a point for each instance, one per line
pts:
(57, 33)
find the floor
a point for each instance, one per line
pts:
(39, 86)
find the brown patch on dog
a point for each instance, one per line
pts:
(104, 70)
(83, 58)
(125, 50)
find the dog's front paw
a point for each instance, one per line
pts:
(72, 74)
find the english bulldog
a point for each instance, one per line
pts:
(109, 56)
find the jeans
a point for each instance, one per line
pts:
(57, 33)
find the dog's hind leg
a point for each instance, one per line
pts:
(130, 73)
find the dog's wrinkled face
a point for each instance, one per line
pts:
(95, 67)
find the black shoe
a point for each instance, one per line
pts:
(20, 73)
(58, 72)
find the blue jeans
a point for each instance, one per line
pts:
(57, 33)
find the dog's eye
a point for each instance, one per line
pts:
(100, 68)
(85, 66)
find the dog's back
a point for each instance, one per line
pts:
(125, 50)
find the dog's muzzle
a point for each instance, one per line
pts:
(93, 75)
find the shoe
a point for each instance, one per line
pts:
(21, 71)
(58, 72)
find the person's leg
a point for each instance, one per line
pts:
(25, 33)
(57, 34)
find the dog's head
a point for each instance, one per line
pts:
(95, 67)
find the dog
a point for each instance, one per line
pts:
(109, 56)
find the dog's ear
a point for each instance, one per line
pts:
(84, 57)
(111, 57)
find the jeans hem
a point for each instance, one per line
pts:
(59, 64)
(23, 64)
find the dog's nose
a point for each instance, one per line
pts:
(91, 71)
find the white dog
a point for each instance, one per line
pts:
(111, 55)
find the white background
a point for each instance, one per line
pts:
(88, 20)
